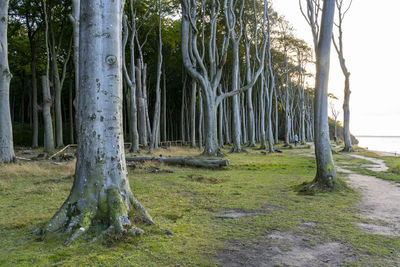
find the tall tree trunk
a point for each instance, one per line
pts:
(71, 112)
(141, 107)
(101, 190)
(6, 134)
(57, 97)
(74, 17)
(35, 116)
(193, 114)
(346, 115)
(236, 131)
(200, 128)
(157, 108)
(164, 117)
(326, 173)
(47, 120)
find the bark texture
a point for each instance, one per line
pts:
(326, 173)
(101, 190)
(6, 135)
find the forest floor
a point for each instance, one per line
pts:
(245, 214)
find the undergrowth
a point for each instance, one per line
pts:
(188, 202)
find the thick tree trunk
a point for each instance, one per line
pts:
(6, 134)
(101, 190)
(210, 119)
(326, 173)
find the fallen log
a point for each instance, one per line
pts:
(295, 147)
(184, 161)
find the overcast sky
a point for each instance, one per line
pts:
(371, 47)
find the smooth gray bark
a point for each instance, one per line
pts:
(101, 190)
(74, 17)
(130, 79)
(193, 114)
(58, 85)
(339, 49)
(157, 108)
(6, 134)
(141, 110)
(47, 119)
(326, 173)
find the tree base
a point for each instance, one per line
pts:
(347, 149)
(237, 150)
(112, 209)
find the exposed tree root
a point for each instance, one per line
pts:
(113, 208)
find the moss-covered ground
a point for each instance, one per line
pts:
(189, 202)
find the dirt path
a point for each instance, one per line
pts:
(379, 206)
(380, 199)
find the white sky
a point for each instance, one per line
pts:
(371, 47)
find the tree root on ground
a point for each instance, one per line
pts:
(77, 217)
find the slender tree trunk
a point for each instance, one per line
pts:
(346, 115)
(193, 114)
(164, 120)
(57, 97)
(236, 131)
(141, 107)
(262, 113)
(71, 113)
(200, 128)
(157, 108)
(74, 17)
(47, 120)
(35, 117)
(326, 173)
(6, 134)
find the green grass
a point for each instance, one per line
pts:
(393, 163)
(186, 202)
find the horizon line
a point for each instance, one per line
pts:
(377, 136)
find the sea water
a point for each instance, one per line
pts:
(380, 143)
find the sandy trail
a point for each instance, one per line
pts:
(379, 206)
(380, 199)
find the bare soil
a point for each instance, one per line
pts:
(379, 205)
(380, 199)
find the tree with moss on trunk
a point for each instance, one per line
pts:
(326, 173)
(101, 192)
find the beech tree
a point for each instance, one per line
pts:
(101, 190)
(338, 43)
(6, 134)
(326, 173)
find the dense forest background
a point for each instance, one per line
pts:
(292, 66)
